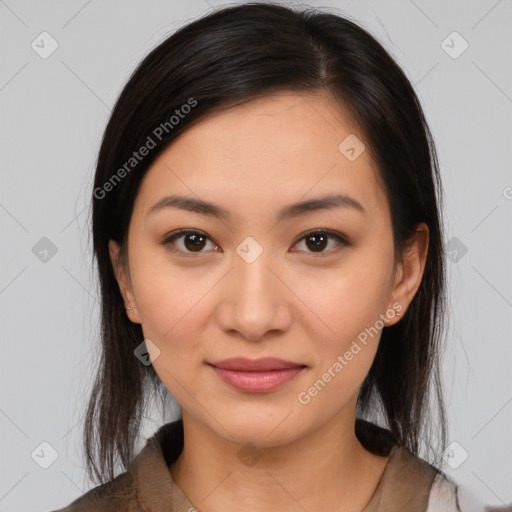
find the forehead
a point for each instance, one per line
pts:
(264, 153)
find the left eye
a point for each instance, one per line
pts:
(318, 240)
(195, 241)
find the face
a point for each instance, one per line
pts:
(253, 277)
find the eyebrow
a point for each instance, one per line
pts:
(202, 207)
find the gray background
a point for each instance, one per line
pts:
(53, 112)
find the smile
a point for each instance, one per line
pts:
(257, 381)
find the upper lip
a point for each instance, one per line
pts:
(255, 365)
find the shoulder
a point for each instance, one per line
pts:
(443, 495)
(146, 482)
(448, 496)
(409, 480)
(120, 494)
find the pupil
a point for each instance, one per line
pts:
(321, 243)
(194, 238)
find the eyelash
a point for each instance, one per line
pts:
(167, 242)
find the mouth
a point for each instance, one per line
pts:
(256, 376)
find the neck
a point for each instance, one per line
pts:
(326, 469)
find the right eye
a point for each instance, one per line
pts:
(187, 242)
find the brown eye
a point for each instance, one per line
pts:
(187, 242)
(317, 241)
(194, 242)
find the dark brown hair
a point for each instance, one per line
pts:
(225, 58)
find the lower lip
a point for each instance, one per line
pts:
(257, 382)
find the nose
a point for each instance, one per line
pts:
(255, 300)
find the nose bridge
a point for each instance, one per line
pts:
(254, 279)
(254, 300)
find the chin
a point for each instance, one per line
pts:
(262, 430)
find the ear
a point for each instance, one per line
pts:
(409, 273)
(123, 281)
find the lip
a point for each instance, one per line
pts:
(255, 365)
(256, 376)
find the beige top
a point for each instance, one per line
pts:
(148, 485)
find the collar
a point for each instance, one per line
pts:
(405, 483)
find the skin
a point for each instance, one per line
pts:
(291, 302)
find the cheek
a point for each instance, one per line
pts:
(349, 300)
(168, 297)
(171, 307)
(347, 337)
(172, 318)
(351, 309)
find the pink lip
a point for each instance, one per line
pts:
(256, 376)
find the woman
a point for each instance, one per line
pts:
(268, 235)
